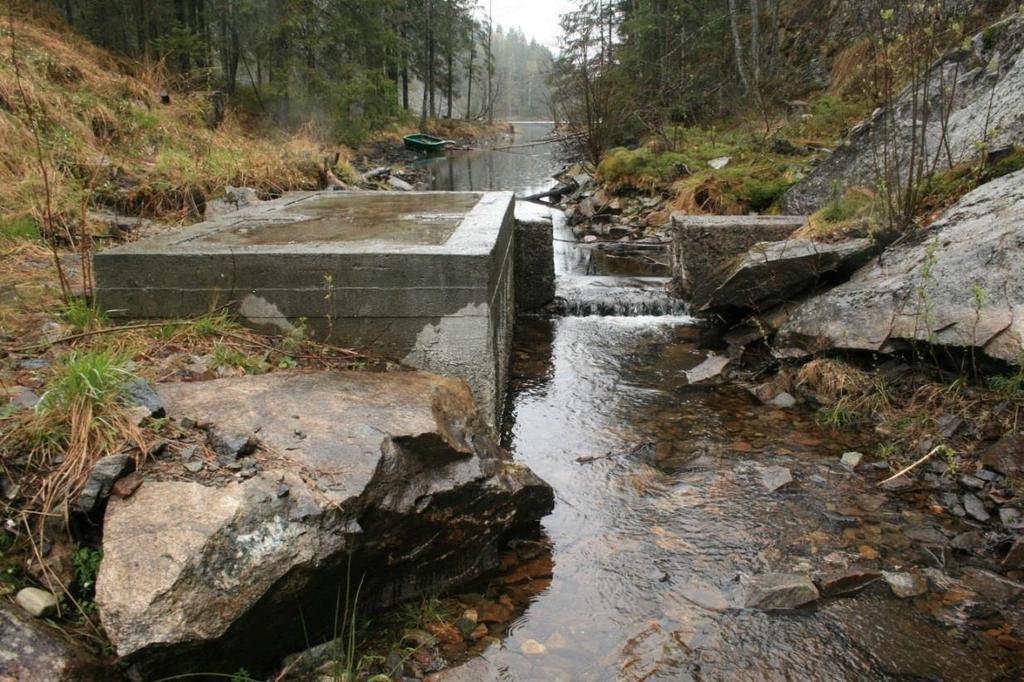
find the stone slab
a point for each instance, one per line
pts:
(703, 247)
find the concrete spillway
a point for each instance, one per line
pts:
(426, 278)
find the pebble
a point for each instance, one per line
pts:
(975, 507)
(783, 400)
(194, 465)
(39, 603)
(906, 585)
(987, 475)
(851, 460)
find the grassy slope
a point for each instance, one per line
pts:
(106, 138)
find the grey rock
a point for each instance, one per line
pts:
(846, 581)
(772, 273)
(1009, 516)
(36, 602)
(987, 476)
(987, 82)
(880, 308)
(906, 585)
(972, 482)
(32, 364)
(851, 460)
(775, 478)
(23, 398)
(416, 494)
(783, 400)
(1006, 455)
(952, 504)
(35, 652)
(969, 541)
(975, 507)
(139, 392)
(1014, 559)
(194, 465)
(399, 185)
(780, 591)
(710, 368)
(992, 586)
(229, 445)
(101, 479)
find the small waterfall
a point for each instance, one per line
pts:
(615, 296)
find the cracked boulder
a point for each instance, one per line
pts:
(773, 272)
(960, 285)
(389, 482)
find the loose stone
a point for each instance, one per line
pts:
(37, 602)
(906, 585)
(851, 460)
(975, 507)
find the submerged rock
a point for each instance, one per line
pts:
(393, 482)
(780, 591)
(958, 286)
(775, 478)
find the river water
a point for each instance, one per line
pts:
(662, 513)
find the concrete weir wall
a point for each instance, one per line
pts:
(704, 246)
(425, 278)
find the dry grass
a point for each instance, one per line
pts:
(107, 139)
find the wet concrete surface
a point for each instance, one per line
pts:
(379, 217)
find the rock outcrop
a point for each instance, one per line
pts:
(772, 273)
(961, 284)
(385, 482)
(981, 85)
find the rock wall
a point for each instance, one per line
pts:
(981, 85)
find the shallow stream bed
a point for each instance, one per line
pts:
(663, 513)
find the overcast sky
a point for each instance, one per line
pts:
(537, 18)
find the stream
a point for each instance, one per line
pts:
(662, 514)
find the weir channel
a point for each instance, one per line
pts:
(662, 514)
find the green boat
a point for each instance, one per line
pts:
(421, 142)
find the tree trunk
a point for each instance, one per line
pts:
(738, 45)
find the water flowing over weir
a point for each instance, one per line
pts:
(663, 513)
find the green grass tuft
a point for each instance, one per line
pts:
(83, 316)
(19, 229)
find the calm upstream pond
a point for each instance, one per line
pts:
(662, 512)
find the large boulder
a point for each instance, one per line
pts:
(32, 651)
(981, 85)
(385, 482)
(961, 284)
(772, 273)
